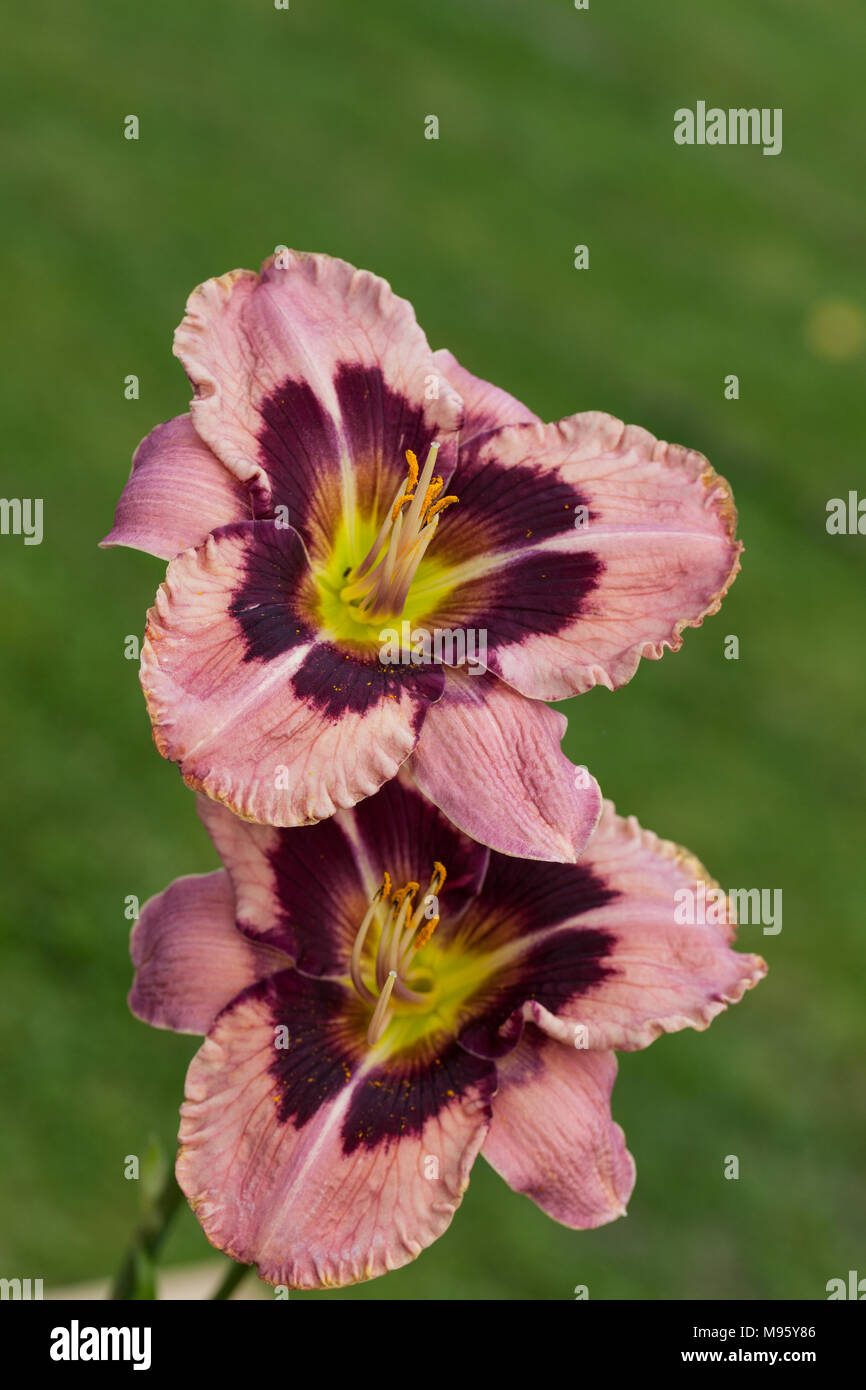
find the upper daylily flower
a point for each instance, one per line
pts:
(384, 998)
(314, 500)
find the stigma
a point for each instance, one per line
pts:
(380, 584)
(386, 978)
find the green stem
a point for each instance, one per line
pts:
(233, 1276)
(146, 1242)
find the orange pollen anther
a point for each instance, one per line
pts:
(398, 505)
(425, 933)
(412, 461)
(432, 492)
(440, 507)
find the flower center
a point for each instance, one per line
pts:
(380, 584)
(403, 930)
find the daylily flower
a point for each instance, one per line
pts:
(384, 999)
(314, 500)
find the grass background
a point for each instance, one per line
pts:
(305, 126)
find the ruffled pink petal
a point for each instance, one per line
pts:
(178, 492)
(654, 976)
(190, 959)
(258, 712)
(552, 1136)
(487, 407)
(313, 1161)
(490, 759)
(312, 380)
(593, 952)
(566, 607)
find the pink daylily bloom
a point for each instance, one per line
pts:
(384, 999)
(336, 481)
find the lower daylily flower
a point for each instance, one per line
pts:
(315, 500)
(384, 999)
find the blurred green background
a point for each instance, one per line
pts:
(305, 127)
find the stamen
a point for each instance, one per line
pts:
(434, 512)
(437, 882)
(425, 934)
(397, 934)
(382, 893)
(373, 552)
(398, 505)
(401, 583)
(438, 877)
(399, 941)
(409, 996)
(412, 461)
(399, 907)
(381, 1014)
(414, 512)
(380, 584)
(420, 940)
(432, 493)
(393, 550)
